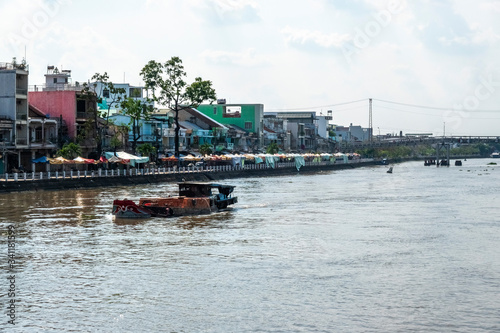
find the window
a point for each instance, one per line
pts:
(105, 93)
(135, 92)
(55, 80)
(81, 105)
(215, 110)
(248, 125)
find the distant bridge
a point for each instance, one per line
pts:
(413, 141)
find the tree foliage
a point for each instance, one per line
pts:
(137, 110)
(92, 92)
(272, 148)
(206, 149)
(169, 88)
(70, 151)
(146, 149)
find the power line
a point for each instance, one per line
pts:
(433, 107)
(319, 107)
(435, 115)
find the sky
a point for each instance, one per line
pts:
(429, 66)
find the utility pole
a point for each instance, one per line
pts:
(370, 123)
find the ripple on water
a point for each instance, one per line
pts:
(352, 250)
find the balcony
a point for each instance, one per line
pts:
(21, 116)
(20, 91)
(84, 115)
(56, 87)
(21, 142)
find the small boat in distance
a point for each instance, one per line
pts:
(194, 198)
(495, 155)
(390, 170)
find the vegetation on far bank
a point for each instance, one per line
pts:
(479, 149)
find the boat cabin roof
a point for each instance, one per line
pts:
(197, 189)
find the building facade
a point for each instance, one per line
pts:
(26, 132)
(244, 122)
(60, 98)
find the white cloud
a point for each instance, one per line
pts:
(301, 37)
(279, 54)
(228, 12)
(248, 58)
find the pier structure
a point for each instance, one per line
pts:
(446, 146)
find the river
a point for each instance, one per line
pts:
(355, 250)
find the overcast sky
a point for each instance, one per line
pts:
(439, 59)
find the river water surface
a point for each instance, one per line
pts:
(345, 251)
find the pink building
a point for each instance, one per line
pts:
(58, 104)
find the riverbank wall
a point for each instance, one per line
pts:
(170, 177)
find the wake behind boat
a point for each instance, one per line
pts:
(194, 198)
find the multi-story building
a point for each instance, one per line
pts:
(13, 112)
(60, 98)
(26, 132)
(111, 102)
(302, 128)
(306, 130)
(352, 133)
(244, 122)
(276, 130)
(195, 130)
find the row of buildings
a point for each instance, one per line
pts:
(36, 120)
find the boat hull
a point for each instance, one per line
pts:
(168, 207)
(194, 199)
(129, 209)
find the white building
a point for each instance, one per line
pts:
(111, 101)
(25, 131)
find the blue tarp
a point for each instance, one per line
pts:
(271, 161)
(42, 159)
(299, 162)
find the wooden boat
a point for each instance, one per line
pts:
(194, 198)
(390, 170)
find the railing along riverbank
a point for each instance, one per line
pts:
(135, 172)
(60, 180)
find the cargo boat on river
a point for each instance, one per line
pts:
(194, 198)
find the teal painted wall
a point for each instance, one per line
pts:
(252, 113)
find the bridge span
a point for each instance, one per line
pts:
(413, 141)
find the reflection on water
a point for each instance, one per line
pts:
(352, 250)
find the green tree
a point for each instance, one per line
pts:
(206, 149)
(169, 88)
(484, 149)
(146, 149)
(115, 142)
(272, 148)
(137, 111)
(70, 151)
(107, 95)
(94, 94)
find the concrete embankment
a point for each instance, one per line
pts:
(75, 183)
